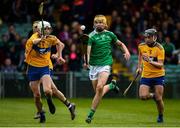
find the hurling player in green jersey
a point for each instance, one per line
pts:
(99, 60)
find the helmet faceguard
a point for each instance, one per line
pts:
(44, 24)
(150, 32)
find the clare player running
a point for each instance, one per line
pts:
(55, 91)
(99, 61)
(150, 64)
(38, 59)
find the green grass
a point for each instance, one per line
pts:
(111, 113)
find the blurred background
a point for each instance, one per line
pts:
(126, 18)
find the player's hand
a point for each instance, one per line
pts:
(60, 60)
(54, 56)
(43, 36)
(145, 58)
(86, 66)
(127, 55)
(139, 71)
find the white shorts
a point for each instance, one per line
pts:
(95, 70)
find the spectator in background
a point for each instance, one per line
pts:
(128, 39)
(138, 15)
(13, 35)
(176, 53)
(13, 53)
(74, 59)
(160, 37)
(12, 50)
(8, 67)
(19, 9)
(166, 30)
(116, 26)
(3, 47)
(176, 35)
(169, 49)
(21, 65)
(65, 34)
(57, 28)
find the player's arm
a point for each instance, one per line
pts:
(125, 50)
(88, 53)
(38, 40)
(159, 63)
(28, 49)
(59, 48)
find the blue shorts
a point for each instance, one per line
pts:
(51, 72)
(35, 73)
(152, 81)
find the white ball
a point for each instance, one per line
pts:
(83, 27)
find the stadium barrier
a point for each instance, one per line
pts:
(2, 91)
(77, 84)
(72, 84)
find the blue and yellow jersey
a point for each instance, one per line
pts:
(50, 65)
(39, 55)
(154, 53)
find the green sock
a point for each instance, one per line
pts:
(111, 86)
(91, 113)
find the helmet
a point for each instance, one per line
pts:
(150, 32)
(100, 18)
(35, 23)
(35, 26)
(45, 23)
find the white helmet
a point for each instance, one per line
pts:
(45, 23)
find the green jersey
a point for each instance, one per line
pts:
(101, 47)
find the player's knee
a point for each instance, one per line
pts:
(54, 90)
(37, 95)
(37, 98)
(48, 92)
(99, 89)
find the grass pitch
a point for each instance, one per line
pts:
(111, 113)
